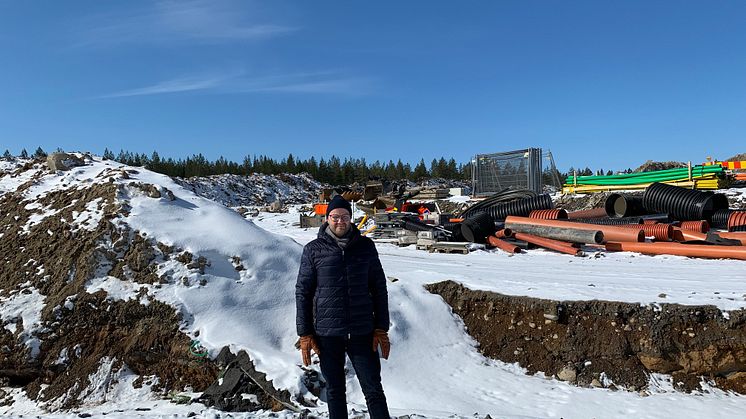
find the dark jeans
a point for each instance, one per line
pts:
(367, 368)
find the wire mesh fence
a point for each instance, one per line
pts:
(519, 169)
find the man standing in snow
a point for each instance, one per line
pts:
(342, 308)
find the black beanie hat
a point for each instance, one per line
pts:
(338, 202)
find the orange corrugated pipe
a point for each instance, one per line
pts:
(701, 226)
(680, 249)
(589, 213)
(503, 245)
(650, 221)
(660, 232)
(549, 214)
(737, 221)
(611, 233)
(557, 245)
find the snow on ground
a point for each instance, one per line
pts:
(435, 369)
(22, 308)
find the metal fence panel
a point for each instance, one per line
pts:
(518, 169)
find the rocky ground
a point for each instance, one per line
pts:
(603, 343)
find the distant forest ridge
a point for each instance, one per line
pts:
(332, 170)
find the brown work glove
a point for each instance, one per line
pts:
(381, 337)
(307, 342)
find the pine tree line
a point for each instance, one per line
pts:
(333, 170)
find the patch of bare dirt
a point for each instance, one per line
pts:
(604, 343)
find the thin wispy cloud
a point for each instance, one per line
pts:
(169, 86)
(169, 21)
(300, 83)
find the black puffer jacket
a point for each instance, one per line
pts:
(341, 292)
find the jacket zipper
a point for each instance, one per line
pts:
(347, 299)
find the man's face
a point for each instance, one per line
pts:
(339, 221)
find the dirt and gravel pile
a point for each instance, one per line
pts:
(651, 166)
(578, 202)
(256, 189)
(737, 157)
(606, 344)
(52, 247)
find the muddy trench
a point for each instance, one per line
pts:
(603, 343)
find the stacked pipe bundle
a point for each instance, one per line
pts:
(699, 177)
(681, 203)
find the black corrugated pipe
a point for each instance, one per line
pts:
(455, 229)
(520, 207)
(619, 205)
(505, 195)
(414, 224)
(610, 221)
(720, 218)
(681, 203)
(476, 228)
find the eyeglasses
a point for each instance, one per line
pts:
(338, 218)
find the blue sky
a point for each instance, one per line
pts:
(599, 83)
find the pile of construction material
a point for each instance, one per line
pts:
(666, 219)
(735, 168)
(697, 177)
(424, 225)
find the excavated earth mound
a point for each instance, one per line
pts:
(737, 157)
(651, 166)
(57, 334)
(603, 343)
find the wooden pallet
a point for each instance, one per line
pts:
(450, 247)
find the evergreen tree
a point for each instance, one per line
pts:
(290, 165)
(246, 166)
(452, 169)
(400, 172)
(420, 171)
(40, 153)
(108, 154)
(24, 154)
(7, 155)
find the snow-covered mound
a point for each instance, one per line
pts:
(157, 267)
(255, 190)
